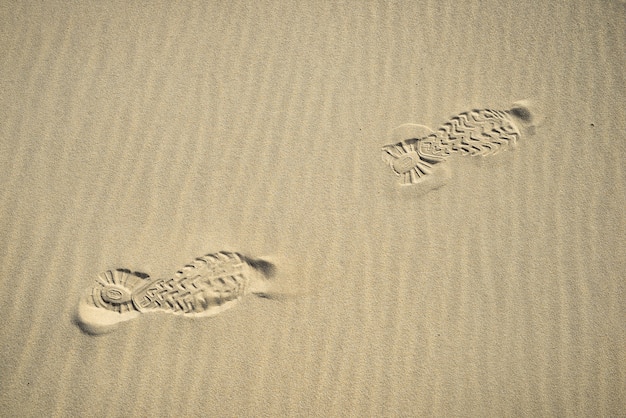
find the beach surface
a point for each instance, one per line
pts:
(140, 136)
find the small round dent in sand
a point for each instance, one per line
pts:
(207, 286)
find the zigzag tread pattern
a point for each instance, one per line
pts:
(207, 282)
(476, 132)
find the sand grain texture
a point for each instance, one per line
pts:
(141, 136)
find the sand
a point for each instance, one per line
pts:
(142, 136)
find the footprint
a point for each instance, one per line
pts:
(421, 154)
(205, 287)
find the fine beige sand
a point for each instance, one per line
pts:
(141, 136)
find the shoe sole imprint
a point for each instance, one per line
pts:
(205, 287)
(478, 132)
